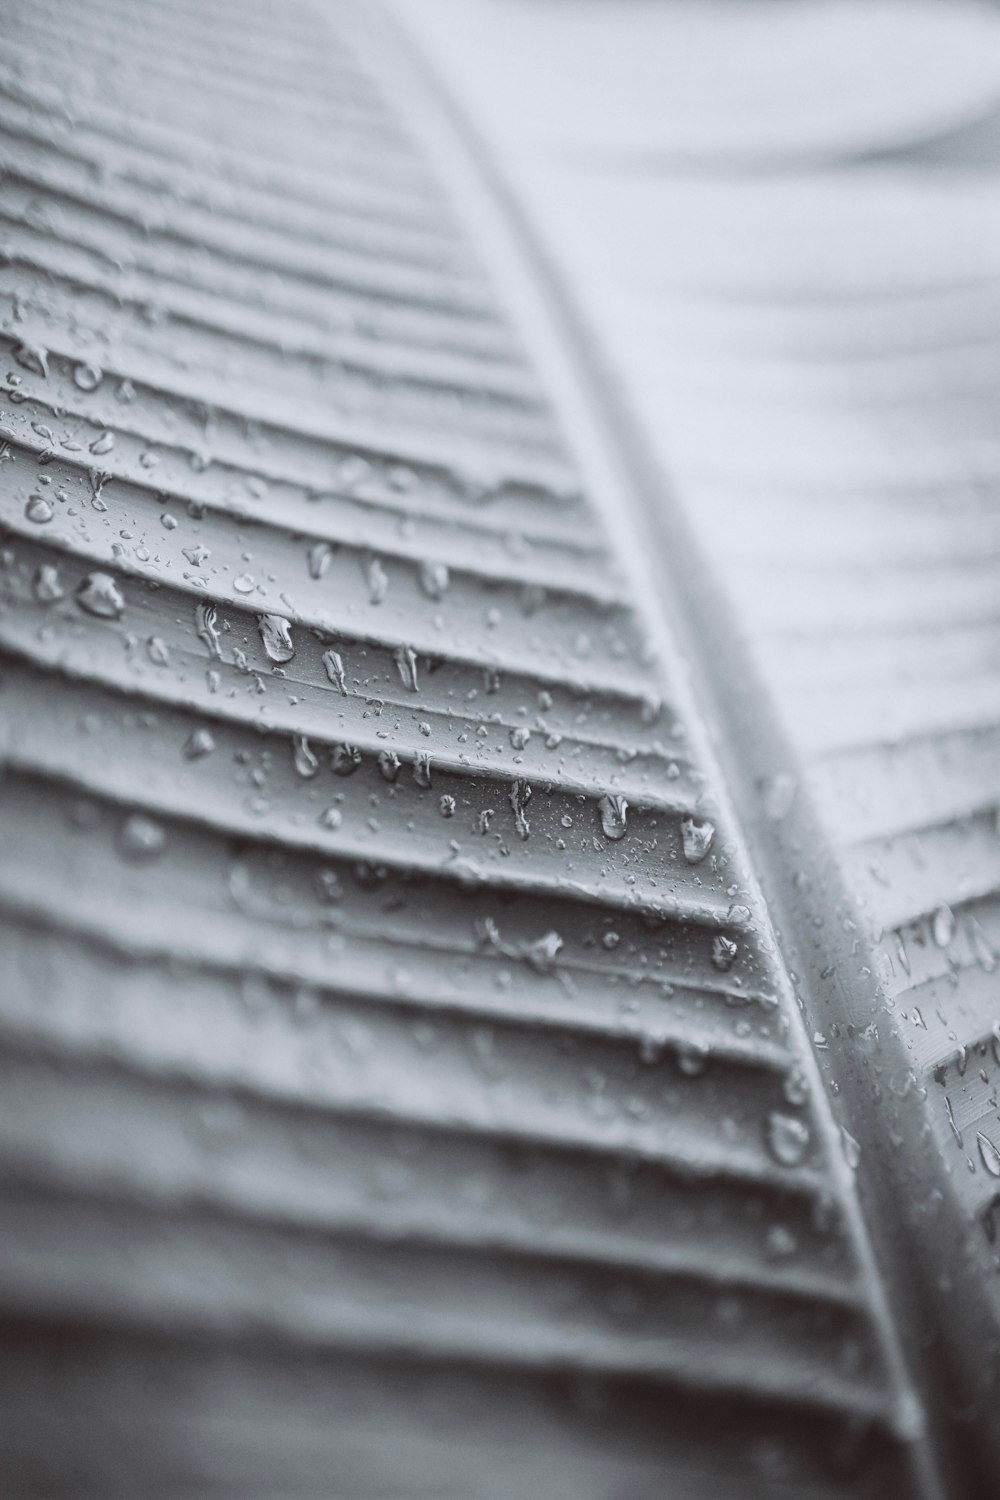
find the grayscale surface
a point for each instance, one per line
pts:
(498, 705)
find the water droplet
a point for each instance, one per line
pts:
(87, 377)
(344, 759)
(614, 812)
(196, 555)
(100, 595)
(988, 1153)
(401, 478)
(141, 838)
(434, 579)
(318, 558)
(541, 955)
(388, 764)
(205, 625)
(244, 583)
(520, 796)
(780, 1242)
(447, 806)
(46, 587)
(199, 743)
(697, 839)
(334, 665)
(306, 763)
(276, 634)
(519, 737)
(38, 510)
(352, 471)
(103, 444)
(901, 953)
(406, 665)
(331, 818)
(724, 952)
(33, 357)
(943, 926)
(158, 651)
(982, 949)
(850, 1148)
(787, 1139)
(378, 582)
(795, 1087)
(422, 769)
(692, 1059)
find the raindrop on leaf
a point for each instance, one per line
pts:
(199, 743)
(434, 579)
(787, 1139)
(724, 952)
(334, 665)
(406, 665)
(38, 510)
(614, 812)
(46, 587)
(87, 377)
(276, 634)
(388, 764)
(33, 357)
(100, 595)
(697, 839)
(989, 1154)
(305, 761)
(141, 838)
(378, 582)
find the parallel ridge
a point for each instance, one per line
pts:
(851, 510)
(396, 1093)
(816, 351)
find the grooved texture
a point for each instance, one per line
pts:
(795, 281)
(399, 1094)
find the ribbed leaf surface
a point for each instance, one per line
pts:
(402, 1092)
